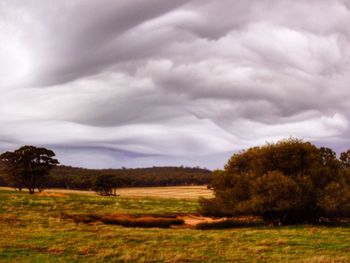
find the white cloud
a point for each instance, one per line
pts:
(172, 82)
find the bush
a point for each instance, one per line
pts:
(274, 195)
(143, 222)
(336, 199)
(212, 208)
(126, 220)
(287, 182)
(105, 185)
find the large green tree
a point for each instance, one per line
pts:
(27, 166)
(285, 182)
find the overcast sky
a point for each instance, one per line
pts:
(137, 83)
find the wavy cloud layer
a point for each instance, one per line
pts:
(162, 82)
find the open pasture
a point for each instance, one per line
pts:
(173, 192)
(33, 229)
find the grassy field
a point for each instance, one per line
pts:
(173, 192)
(32, 229)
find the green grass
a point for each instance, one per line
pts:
(32, 230)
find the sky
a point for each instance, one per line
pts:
(137, 83)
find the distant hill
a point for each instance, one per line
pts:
(80, 178)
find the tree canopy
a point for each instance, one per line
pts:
(285, 182)
(27, 166)
(106, 185)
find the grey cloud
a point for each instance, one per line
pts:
(79, 38)
(172, 82)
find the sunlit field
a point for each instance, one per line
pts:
(176, 192)
(37, 229)
(173, 192)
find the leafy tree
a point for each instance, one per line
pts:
(286, 182)
(106, 185)
(336, 199)
(345, 158)
(28, 166)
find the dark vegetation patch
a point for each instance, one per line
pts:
(6, 219)
(84, 179)
(82, 218)
(67, 177)
(334, 222)
(142, 222)
(221, 225)
(126, 220)
(238, 222)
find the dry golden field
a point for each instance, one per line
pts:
(173, 192)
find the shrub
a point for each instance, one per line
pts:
(290, 181)
(274, 195)
(125, 220)
(105, 185)
(336, 199)
(213, 208)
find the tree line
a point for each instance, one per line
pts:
(36, 168)
(83, 179)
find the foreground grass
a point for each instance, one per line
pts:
(32, 230)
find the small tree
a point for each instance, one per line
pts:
(27, 166)
(106, 185)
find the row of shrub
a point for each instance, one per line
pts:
(18, 175)
(126, 220)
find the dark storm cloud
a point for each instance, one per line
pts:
(172, 82)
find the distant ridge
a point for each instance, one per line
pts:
(68, 177)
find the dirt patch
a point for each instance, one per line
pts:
(193, 220)
(166, 221)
